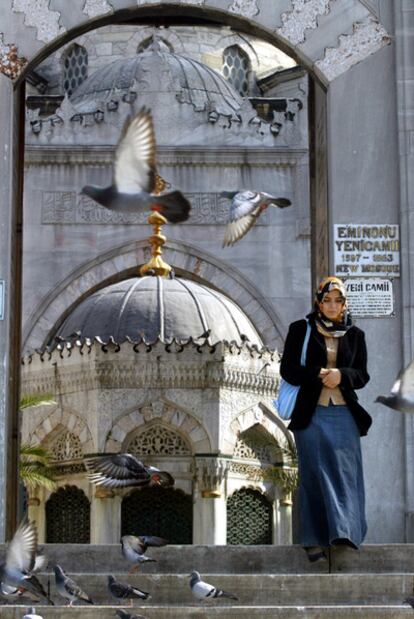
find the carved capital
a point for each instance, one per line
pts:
(211, 473)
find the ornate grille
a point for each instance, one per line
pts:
(249, 518)
(248, 451)
(236, 67)
(158, 511)
(158, 440)
(75, 68)
(68, 517)
(67, 446)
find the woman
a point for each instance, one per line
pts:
(327, 421)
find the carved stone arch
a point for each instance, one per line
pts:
(122, 262)
(157, 439)
(163, 413)
(59, 421)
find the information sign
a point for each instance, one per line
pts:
(370, 298)
(366, 250)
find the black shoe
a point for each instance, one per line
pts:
(315, 553)
(343, 541)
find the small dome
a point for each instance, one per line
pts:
(154, 307)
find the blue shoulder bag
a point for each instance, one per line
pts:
(286, 400)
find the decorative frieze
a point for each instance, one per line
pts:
(246, 8)
(303, 16)
(38, 14)
(93, 8)
(367, 37)
(10, 63)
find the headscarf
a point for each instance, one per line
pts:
(326, 326)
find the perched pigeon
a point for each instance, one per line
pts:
(16, 574)
(31, 614)
(124, 615)
(203, 591)
(245, 208)
(122, 591)
(68, 588)
(134, 548)
(124, 470)
(409, 600)
(401, 397)
(134, 177)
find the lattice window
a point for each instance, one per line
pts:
(158, 511)
(158, 440)
(68, 517)
(248, 451)
(249, 518)
(67, 446)
(236, 68)
(75, 68)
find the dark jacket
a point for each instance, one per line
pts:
(351, 361)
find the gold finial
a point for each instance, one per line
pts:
(157, 240)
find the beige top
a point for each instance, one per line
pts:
(331, 396)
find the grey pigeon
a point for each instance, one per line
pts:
(134, 176)
(409, 600)
(16, 574)
(401, 397)
(124, 470)
(31, 614)
(134, 548)
(124, 591)
(245, 208)
(68, 588)
(124, 615)
(203, 591)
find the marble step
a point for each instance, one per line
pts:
(101, 559)
(255, 589)
(219, 612)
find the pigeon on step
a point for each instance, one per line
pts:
(245, 208)
(135, 178)
(124, 615)
(203, 591)
(401, 397)
(409, 600)
(124, 591)
(134, 548)
(68, 588)
(17, 573)
(31, 614)
(124, 470)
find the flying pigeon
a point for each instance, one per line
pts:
(121, 591)
(134, 175)
(124, 615)
(410, 601)
(134, 548)
(245, 208)
(401, 397)
(16, 574)
(203, 591)
(31, 614)
(124, 470)
(68, 588)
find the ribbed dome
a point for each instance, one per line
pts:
(157, 71)
(153, 307)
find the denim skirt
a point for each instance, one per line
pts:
(331, 483)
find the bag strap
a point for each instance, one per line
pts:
(305, 344)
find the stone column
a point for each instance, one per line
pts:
(210, 518)
(10, 284)
(105, 517)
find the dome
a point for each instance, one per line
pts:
(154, 73)
(154, 307)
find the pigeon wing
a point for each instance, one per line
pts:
(236, 230)
(22, 549)
(243, 203)
(134, 166)
(74, 590)
(153, 540)
(202, 589)
(117, 466)
(406, 378)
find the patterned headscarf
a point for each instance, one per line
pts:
(325, 325)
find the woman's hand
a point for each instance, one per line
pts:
(331, 378)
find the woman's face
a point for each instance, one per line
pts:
(332, 305)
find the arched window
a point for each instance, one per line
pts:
(75, 68)
(249, 518)
(158, 511)
(68, 517)
(66, 446)
(236, 68)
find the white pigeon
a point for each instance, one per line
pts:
(245, 208)
(135, 178)
(401, 397)
(31, 614)
(204, 592)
